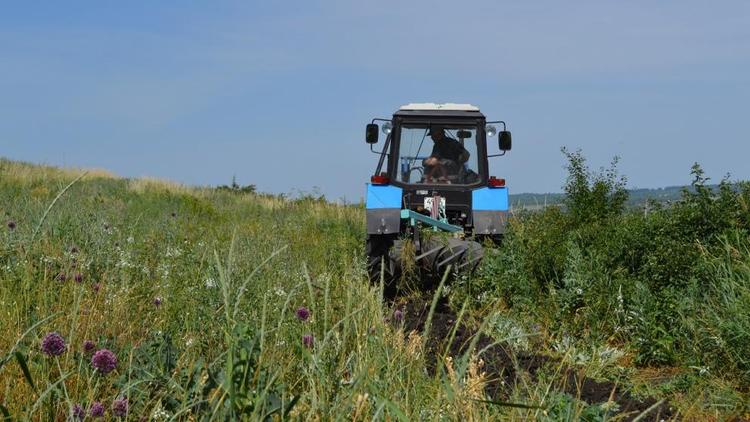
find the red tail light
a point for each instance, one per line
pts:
(494, 182)
(380, 180)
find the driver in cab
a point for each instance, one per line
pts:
(448, 155)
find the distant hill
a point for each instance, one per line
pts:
(636, 198)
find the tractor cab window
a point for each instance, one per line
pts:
(438, 154)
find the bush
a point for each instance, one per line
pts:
(596, 269)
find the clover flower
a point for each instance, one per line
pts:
(88, 346)
(97, 410)
(61, 277)
(53, 344)
(96, 287)
(302, 313)
(104, 361)
(78, 277)
(77, 412)
(398, 315)
(308, 341)
(157, 301)
(120, 407)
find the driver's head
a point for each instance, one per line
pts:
(437, 133)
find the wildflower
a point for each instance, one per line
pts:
(398, 315)
(53, 344)
(73, 249)
(97, 410)
(307, 340)
(78, 277)
(61, 277)
(77, 412)
(120, 407)
(96, 287)
(157, 301)
(104, 361)
(88, 346)
(159, 413)
(303, 313)
(11, 225)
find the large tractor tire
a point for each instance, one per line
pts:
(380, 264)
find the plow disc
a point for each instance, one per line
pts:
(395, 260)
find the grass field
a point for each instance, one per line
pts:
(218, 305)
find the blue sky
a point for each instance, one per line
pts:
(278, 93)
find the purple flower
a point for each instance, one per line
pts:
(78, 412)
(78, 277)
(398, 315)
(53, 344)
(96, 287)
(88, 346)
(97, 410)
(61, 276)
(120, 407)
(104, 361)
(12, 225)
(308, 340)
(303, 313)
(157, 301)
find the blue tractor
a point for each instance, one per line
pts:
(433, 176)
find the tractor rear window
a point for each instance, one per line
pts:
(438, 155)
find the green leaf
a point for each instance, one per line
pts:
(6, 414)
(508, 404)
(26, 373)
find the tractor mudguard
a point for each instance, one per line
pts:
(383, 209)
(489, 210)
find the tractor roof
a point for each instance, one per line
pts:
(442, 110)
(444, 106)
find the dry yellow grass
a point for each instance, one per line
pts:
(146, 183)
(26, 173)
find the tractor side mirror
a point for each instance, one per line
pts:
(463, 134)
(371, 133)
(505, 141)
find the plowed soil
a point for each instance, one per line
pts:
(505, 368)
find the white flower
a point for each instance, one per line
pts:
(159, 413)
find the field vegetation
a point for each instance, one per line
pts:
(142, 299)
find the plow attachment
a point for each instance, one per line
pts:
(426, 260)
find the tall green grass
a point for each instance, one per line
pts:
(196, 290)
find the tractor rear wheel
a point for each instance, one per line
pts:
(379, 262)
